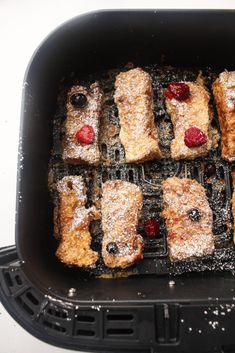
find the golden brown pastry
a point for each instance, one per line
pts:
(120, 207)
(80, 143)
(72, 222)
(134, 99)
(224, 93)
(188, 218)
(233, 204)
(187, 104)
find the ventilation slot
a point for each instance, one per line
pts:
(104, 150)
(119, 331)
(29, 302)
(118, 174)
(121, 325)
(18, 280)
(85, 333)
(31, 297)
(117, 155)
(56, 312)
(83, 318)
(221, 172)
(13, 280)
(88, 324)
(167, 323)
(8, 279)
(26, 308)
(131, 176)
(54, 326)
(122, 317)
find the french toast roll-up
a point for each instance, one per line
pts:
(81, 128)
(224, 93)
(188, 219)
(72, 221)
(187, 104)
(134, 99)
(120, 208)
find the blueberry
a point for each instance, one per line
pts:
(210, 169)
(194, 214)
(78, 100)
(112, 248)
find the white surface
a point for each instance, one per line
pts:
(23, 25)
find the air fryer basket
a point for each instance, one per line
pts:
(146, 313)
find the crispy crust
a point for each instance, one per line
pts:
(75, 152)
(224, 93)
(134, 99)
(186, 239)
(192, 112)
(233, 203)
(73, 221)
(120, 206)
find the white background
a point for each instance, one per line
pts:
(23, 25)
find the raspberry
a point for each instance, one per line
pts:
(85, 134)
(151, 228)
(194, 137)
(177, 90)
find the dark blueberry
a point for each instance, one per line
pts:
(112, 248)
(194, 214)
(78, 100)
(210, 169)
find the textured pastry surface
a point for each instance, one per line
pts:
(233, 204)
(187, 238)
(193, 112)
(224, 93)
(120, 207)
(134, 99)
(75, 152)
(72, 220)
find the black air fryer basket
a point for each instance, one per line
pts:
(187, 307)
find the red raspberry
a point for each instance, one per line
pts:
(194, 137)
(177, 90)
(151, 228)
(85, 134)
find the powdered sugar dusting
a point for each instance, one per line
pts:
(74, 151)
(194, 112)
(121, 205)
(187, 238)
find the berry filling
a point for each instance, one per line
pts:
(85, 135)
(177, 90)
(194, 137)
